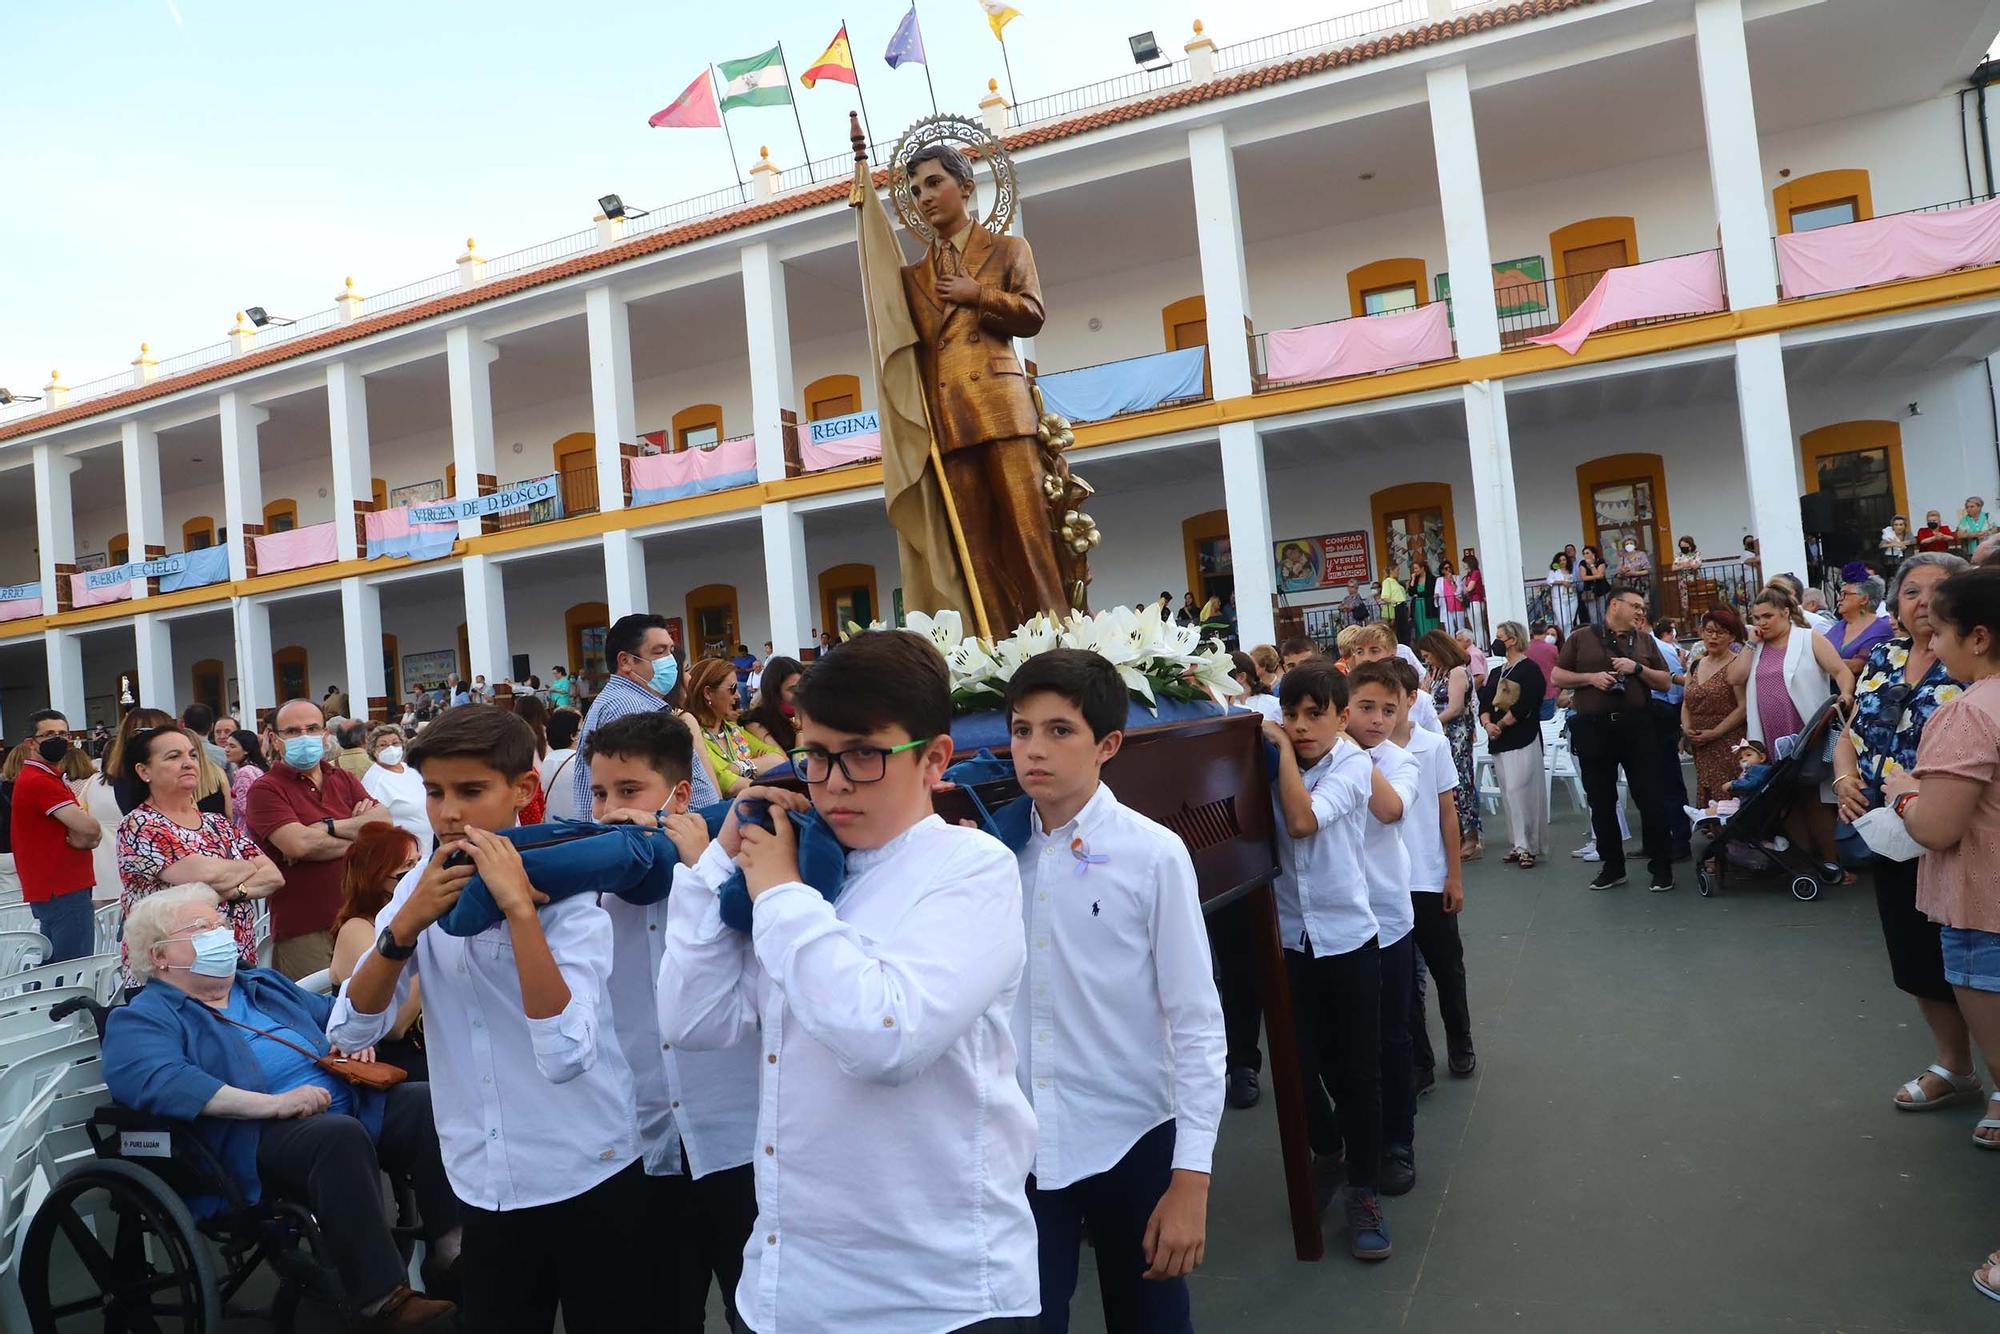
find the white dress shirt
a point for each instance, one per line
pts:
(1322, 893)
(1423, 837)
(403, 795)
(1265, 706)
(1424, 713)
(529, 1111)
(555, 769)
(893, 1143)
(1383, 860)
(1117, 1023)
(702, 1101)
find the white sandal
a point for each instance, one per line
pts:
(1979, 1281)
(1988, 1123)
(1963, 1088)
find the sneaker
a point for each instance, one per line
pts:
(1243, 1088)
(1661, 884)
(1463, 1064)
(1399, 1170)
(1367, 1230)
(1608, 879)
(1588, 851)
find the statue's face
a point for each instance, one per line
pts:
(941, 200)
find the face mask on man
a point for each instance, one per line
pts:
(52, 748)
(666, 674)
(304, 752)
(215, 953)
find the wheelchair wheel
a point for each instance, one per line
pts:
(1805, 888)
(112, 1248)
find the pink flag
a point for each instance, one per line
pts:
(695, 108)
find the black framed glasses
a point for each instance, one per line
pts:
(860, 764)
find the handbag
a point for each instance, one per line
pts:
(377, 1075)
(1506, 694)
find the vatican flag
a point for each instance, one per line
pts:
(999, 13)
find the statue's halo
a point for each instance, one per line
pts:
(978, 144)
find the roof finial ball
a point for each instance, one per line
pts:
(350, 282)
(764, 152)
(1197, 27)
(993, 85)
(470, 244)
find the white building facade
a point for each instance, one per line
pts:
(1340, 172)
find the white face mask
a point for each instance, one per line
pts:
(1631, 546)
(390, 756)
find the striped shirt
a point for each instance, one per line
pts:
(621, 698)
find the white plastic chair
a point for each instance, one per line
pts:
(109, 921)
(21, 950)
(23, 1082)
(319, 984)
(97, 973)
(20, 1157)
(20, 1046)
(18, 917)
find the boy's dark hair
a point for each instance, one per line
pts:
(879, 678)
(1317, 680)
(563, 726)
(659, 738)
(1381, 673)
(1406, 675)
(199, 718)
(483, 732)
(1297, 644)
(952, 162)
(1085, 679)
(628, 632)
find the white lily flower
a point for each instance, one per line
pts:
(1136, 682)
(972, 664)
(946, 629)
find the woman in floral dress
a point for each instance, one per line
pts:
(1712, 709)
(1450, 684)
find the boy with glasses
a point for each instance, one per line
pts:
(893, 1141)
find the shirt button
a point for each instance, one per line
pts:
(1041, 1083)
(489, 1079)
(772, 1058)
(1041, 942)
(771, 1239)
(666, 1046)
(1045, 896)
(887, 1022)
(1045, 1035)
(770, 1150)
(676, 1106)
(493, 1134)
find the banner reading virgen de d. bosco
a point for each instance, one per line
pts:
(518, 496)
(1326, 561)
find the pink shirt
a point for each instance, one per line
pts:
(1959, 886)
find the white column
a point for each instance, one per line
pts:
(353, 460)
(155, 662)
(1770, 467)
(55, 525)
(145, 525)
(242, 482)
(1735, 171)
(1499, 545)
(1225, 282)
(65, 654)
(485, 618)
(1475, 320)
(770, 343)
(468, 364)
(613, 415)
(624, 575)
(785, 576)
(361, 625)
(1246, 499)
(256, 679)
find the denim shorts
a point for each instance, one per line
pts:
(1971, 958)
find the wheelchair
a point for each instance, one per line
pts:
(114, 1247)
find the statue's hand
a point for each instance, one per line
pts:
(957, 289)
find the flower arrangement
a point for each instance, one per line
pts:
(1154, 656)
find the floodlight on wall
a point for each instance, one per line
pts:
(260, 317)
(1144, 49)
(8, 399)
(614, 208)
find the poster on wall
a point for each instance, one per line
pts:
(96, 560)
(427, 671)
(1520, 286)
(417, 493)
(1308, 564)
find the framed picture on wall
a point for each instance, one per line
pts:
(428, 670)
(96, 560)
(417, 493)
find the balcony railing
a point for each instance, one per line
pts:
(578, 483)
(1680, 595)
(1260, 365)
(1123, 387)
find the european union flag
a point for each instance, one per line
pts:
(907, 43)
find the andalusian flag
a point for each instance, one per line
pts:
(999, 13)
(836, 63)
(756, 81)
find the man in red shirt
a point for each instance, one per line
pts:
(305, 813)
(53, 836)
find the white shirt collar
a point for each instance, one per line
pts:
(860, 859)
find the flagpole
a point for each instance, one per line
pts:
(1005, 64)
(729, 139)
(805, 154)
(855, 70)
(927, 59)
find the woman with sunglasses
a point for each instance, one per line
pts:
(1901, 685)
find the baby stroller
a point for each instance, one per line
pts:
(1747, 839)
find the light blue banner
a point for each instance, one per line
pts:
(195, 569)
(831, 429)
(1097, 392)
(653, 495)
(519, 496)
(15, 592)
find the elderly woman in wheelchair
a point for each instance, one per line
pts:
(226, 1050)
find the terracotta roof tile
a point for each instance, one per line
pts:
(701, 228)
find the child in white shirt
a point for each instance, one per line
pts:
(1375, 705)
(1117, 1022)
(1324, 787)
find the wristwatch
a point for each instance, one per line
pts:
(1902, 801)
(328, 822)
(386, 946)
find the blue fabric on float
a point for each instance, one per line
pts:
(1094, 393)
(652, 495)
(209, 565)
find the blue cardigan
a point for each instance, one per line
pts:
(164, 1056)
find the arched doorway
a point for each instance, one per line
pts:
(1412, 522)
(847, 593)
(711, 622)
(1860, 465)
(1624, 496)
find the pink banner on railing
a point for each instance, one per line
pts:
(1683, 285)
(657, 477)
(13, 609)
(1358, 346)
(1882, 250)
(817, 457)
(295, 550)
(82, 594)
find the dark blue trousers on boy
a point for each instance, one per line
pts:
(1115, 1205)
(1399, 1098)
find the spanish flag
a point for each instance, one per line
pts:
(999, 14)
(836, 62)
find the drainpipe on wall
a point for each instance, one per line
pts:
(1983, 74)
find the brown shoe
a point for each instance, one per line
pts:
(406, 1312)
(442, 1281)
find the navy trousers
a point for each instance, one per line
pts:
(1399, 1098)
(1115, 1205)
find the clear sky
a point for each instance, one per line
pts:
(169, 162)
